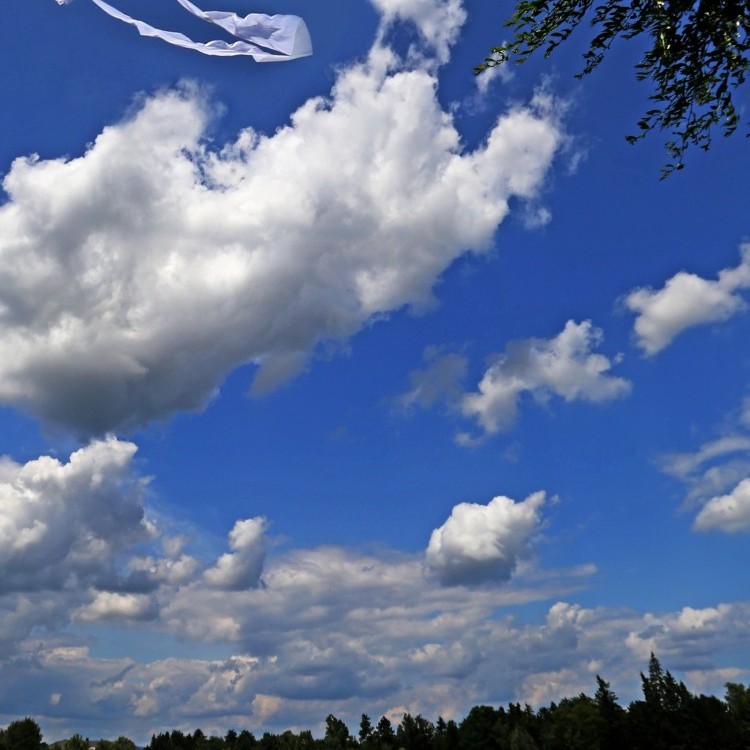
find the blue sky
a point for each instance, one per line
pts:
(354, 383)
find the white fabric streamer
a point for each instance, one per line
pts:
(264, 38)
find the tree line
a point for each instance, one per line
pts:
(668, 717)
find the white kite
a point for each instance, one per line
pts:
(264, 38)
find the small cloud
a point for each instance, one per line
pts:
(717, 477)
(242, 567)
(113, 606)
(491, 76)
(264, 706)
(730, 513)
(439, 381)
(535, 217)
(482, 543)
(686, 301)
(564, 366)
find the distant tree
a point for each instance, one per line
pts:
(521, 739)
(288, 740)
(385, 734)
(337, 735)
(177, 740)
(23, 734)
(698, 55)
(415, 733)
(246, 741)
(366, 732)
(738, 704)
(662, 719)
(709, 725)
(612, 717)
(475, 732)
(575, 725)
(446, 735)
(159, 742)
(76, 742)
(269, 741)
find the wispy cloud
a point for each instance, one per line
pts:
(717, 477)
(565, 366)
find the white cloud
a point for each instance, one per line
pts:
(685, 301)
(133, 278)
(242, 567)
(63, 523)
(481, 543)
(490, 76)
(726, 512)
(541, 688)
(564, 366)
(685, 465)
(717, 477)
(690, 635)
(417, 652)
(108, 605)
(438, 21)
(330, 630)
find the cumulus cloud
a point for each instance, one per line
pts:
(690, 635)
(65, 523)
(331, 629)
(480, 543)
(134, 277)
(726, 512)
(434, 653)
(564, 366)
(685, 301)
(72, 541)
(109, 605)
(242, 567)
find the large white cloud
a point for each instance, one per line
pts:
(135, 276)
(564, 366)
(685, 301)
(483, 542)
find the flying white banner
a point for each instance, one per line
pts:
(264, 38)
